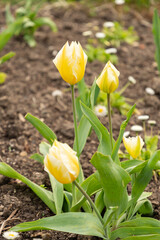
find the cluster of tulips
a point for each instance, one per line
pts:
(114, 214)
(62, 162)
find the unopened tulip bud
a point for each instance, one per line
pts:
(71, 62)
(62, 163)
(133, 145)
(108, 80)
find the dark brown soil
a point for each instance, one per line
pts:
(32, 78)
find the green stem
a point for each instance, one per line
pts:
(74, 119)
(90, 201)
(109, 117)
(124, 88)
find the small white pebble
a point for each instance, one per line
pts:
(132, 80)
(108, 24)
(51, 48)
(119, 2)
(143, 117)
(10, 235)
(136, 128)
(126, 134)
(87, 33)
(57, 93)
(111, 51)
(150, 91)
(100, 35)
(152, 122)
(100, 110)
(54, 53)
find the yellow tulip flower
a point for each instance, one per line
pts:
(108, 80)
(62, 163)
(133, 145)
(71, 62)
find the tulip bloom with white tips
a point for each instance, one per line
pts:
(133, 145)
(62, 163)
(71, 62)
(108, 80)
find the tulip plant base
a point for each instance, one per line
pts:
(31, 79)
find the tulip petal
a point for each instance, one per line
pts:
(71, 62)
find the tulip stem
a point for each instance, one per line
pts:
(75, 120)
(109, 117)
(90, 201)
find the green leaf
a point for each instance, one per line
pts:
(9, 17)
(78, 223)
(144, 237)
(43, 194)
(101, 131)
(67, 201)
(45, 21)
(30, 40)
(44, 148)
(84, 129)
(131, 165)
(156, 32)
(43, 129)
(6, 57)
(151, 143)
(58, 196)
(99, 200)
(144, 176)
(138, 226)
(122, 129)
(38, 157)
(114, 180)
(8, 33)
(2, 77)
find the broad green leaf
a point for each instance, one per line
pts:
(144, 237)
(45, 21)
(43, 194)
(94, 92)
(84, 129)
(146, 208)
(99, 200)
(78, 223)
(133, 231)
(141, 222)
(129, 165)
(144, 176)
(43, 129)
(142, 208)
(6, 57)
(38, 157)
(101, 131)
(122, 129)
(44, 148)
(2, 77)
(138, 226)
(114, 180)
(58, 196)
